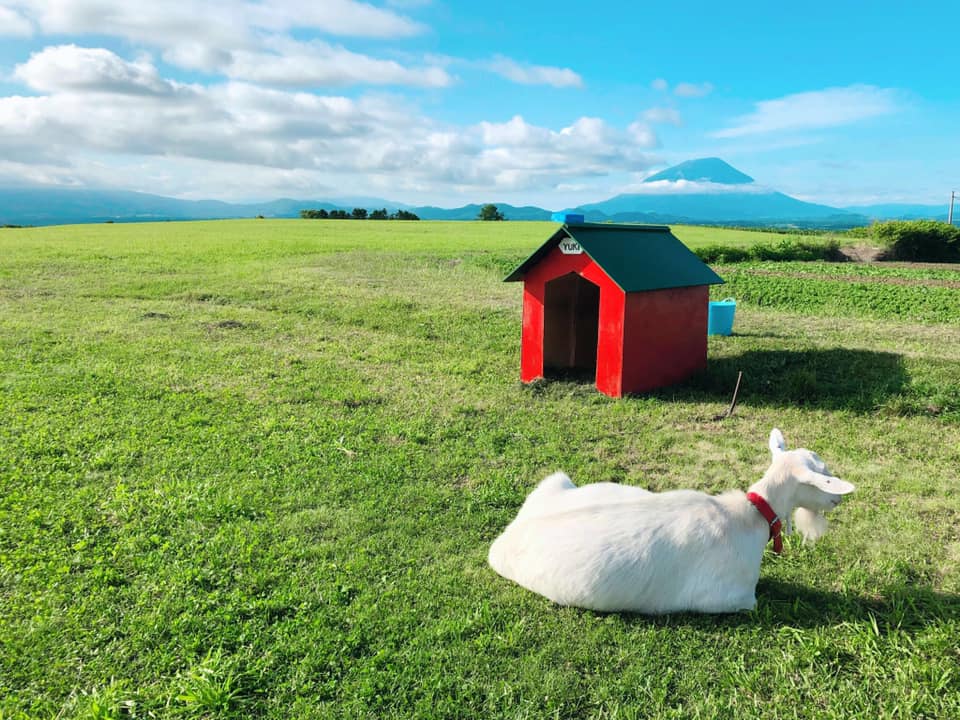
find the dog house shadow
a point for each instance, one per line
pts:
(830, 379)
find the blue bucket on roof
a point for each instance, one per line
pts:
(720, 317)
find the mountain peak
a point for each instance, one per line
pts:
(712, 170)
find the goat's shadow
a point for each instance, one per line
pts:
(785, 604)
(830, 379)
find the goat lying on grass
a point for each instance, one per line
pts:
(612, 547)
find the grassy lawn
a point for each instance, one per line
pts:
(698, 236)
(252, 469)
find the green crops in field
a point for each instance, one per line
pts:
(824, 290)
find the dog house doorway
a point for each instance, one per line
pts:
(571, 325)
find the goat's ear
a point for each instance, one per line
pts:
(777, 443)
(827, 483)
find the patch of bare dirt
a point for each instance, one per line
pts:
(862, 253)
(871, 254)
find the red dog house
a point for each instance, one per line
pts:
(628, 302)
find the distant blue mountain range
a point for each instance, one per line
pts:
(59, 206)
(703, 191)
(901, 211)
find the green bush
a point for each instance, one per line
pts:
(864, 231)
(785, 250)
(790, 249)
(722, 254)
(919, 240)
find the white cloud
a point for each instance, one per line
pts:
(210, 36)
(407, 4)
(683, 89)
(229, 123)
(534, 74)
(100, 110)
(587, 141)
(691, 90)
(517, 155)
(691, 187)
(663, 116)
(813, 110)
(591, 134)
(167, 24)
(643, 135)
(249, 41)
(170, 22)
(291, 63)
(514, 133)
(99, 117)
(13, 23)
(337, 17)
(255, 41)
(68, 68)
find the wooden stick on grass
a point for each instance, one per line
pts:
(733, 403)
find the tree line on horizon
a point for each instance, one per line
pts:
(487, 212)
(357, 214)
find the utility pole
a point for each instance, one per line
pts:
(953, 194)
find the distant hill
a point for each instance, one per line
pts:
(725, 208)
(470, 212)
(58, 206)
(703, 191)
(54, 206)
(901, 211)
(49, 206)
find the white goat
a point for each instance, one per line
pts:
(613, 547)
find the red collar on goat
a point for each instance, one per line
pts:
(763, 507)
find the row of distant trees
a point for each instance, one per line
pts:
(357, 214)
(487, 212)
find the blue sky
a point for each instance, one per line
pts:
(448, 102)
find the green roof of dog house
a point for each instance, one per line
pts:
(636, 257)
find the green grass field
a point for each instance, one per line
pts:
(698, 235)
(252, 469)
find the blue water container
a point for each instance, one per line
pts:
(720, 317)
(567, 218)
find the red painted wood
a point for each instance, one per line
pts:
(610, 341)
(666, 337)
(553, 266)
(531, 345)
(645, 340)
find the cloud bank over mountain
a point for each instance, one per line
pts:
(431, 101)
(721, 194)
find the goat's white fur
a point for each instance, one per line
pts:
(612, 547)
